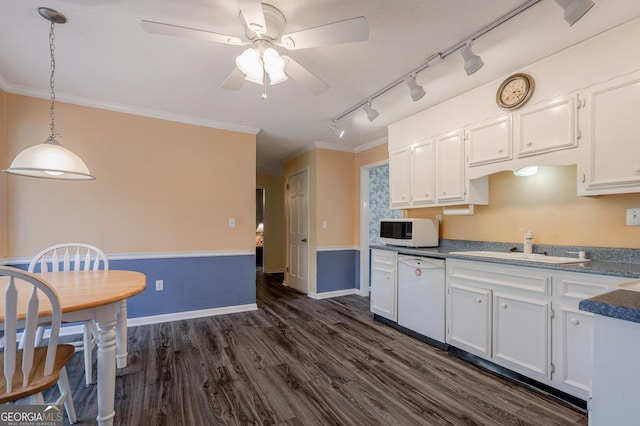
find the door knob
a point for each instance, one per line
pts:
(304, 240)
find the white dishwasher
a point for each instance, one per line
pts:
(421, 296)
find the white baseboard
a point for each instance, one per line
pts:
(329, 294)
(177, 316)
(361, 292)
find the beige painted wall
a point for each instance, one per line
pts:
(161, 186)
(546, 204)
(274, 222)
(335, 195)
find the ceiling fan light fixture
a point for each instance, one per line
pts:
(372, 114)
(250, 63)
(472, 62)
(574, 9)
(417, 91)
(274, 65)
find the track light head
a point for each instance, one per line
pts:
(372, 114)
(574, 9)
(339, 131)
(472, 62)
(417, 91)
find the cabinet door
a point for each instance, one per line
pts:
(613, 163)
(522, 334)
(400, 177)
(575, 366)
(490, 141)
(422, 173)
(383, 283)
(469, 318)
(548, 127)
(450, 167)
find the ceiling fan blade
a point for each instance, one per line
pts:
(176, 30)
(348, 31)
(304, 77)
(253, 15)
(234, 81)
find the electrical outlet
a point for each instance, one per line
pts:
(325, 225)
(438, 218)
(159, 285)
(633, 217)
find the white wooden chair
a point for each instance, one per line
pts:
(26, 372)
(75, 257)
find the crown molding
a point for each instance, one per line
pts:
(369, 145)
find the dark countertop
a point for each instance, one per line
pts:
(620, 304)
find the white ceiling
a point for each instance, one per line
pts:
(105, 59)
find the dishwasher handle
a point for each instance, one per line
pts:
(419, 263)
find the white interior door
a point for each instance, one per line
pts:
(298, 201)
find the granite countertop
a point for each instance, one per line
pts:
(620, 304)
(604, 261)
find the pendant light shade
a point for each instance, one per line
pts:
(50, 160)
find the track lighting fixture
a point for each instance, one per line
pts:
(574, 9)
(339, 131)
(472, 62)
(417, 91)
(372, 114)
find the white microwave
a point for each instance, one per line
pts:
(409, 232)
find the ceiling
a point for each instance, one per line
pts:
(105, 59)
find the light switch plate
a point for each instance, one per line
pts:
(633, 217)
(232, 222)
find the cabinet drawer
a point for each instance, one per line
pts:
(491, 275)
(576, 286)
(384, 257)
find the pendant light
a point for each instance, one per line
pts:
(50, 160)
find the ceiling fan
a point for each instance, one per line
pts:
(264, 27)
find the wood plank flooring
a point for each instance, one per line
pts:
(298, 361)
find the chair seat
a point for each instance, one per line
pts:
(38, 381)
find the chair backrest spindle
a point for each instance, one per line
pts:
(71, 256)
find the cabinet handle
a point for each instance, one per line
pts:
(388, 277)
(575, 321)
(479, 300)
(584, 178)
(529, 143)
(500, 151)
(504, 305)
(426, 194)
(444, 192)
(637, 170)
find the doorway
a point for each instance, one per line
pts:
(298, 230)
(260, 214)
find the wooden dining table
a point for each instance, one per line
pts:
(96, 295)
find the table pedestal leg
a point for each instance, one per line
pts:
(106, 366)
(121, 336)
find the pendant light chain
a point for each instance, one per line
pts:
(51, 82)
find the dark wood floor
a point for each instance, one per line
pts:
(298, 361)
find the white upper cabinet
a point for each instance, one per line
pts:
(400, 177)
(489, 141)
(423, 183)
(548, 126)
(612, 163)
(450, 181)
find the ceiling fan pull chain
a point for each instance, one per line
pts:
(264, 84)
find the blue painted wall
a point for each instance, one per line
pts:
(338, 270)
(190, 283)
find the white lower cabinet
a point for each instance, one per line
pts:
(522, 334)
(469, 318)
(384, 284)
(525, 319)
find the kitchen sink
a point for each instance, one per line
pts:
(534, 257)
